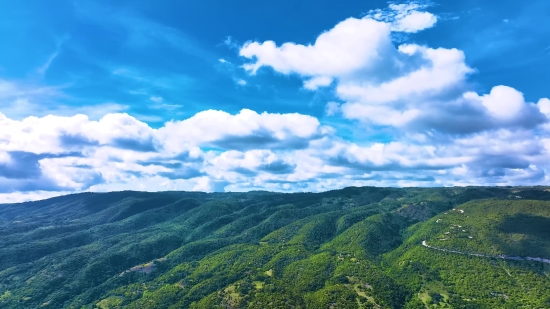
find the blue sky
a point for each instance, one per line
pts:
(284, 95)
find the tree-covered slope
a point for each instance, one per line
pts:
(482, 254)
(350, 248)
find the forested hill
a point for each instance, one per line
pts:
(349, 248)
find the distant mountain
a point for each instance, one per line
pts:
(472, 247)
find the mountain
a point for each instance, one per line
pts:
(368, 247)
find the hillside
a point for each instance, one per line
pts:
(350, 248)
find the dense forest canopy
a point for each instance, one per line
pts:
(368, 247)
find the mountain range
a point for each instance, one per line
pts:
(358, 247)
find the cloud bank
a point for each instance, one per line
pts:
(217, 151)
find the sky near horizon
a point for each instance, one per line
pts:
(283, 96)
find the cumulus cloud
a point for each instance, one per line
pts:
(409, 87)
(245, 130)
(431, 72)
(56, 134)
(38, 155)
(75, 153)
(351, 45)
(378, 82)
(503, 102)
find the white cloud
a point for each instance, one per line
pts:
(405, 17)
(503, 102)
(57, 134)
(247, 129)
(351, 45)
(439, 70)
(414, 22)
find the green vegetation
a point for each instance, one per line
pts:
(349, 248)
